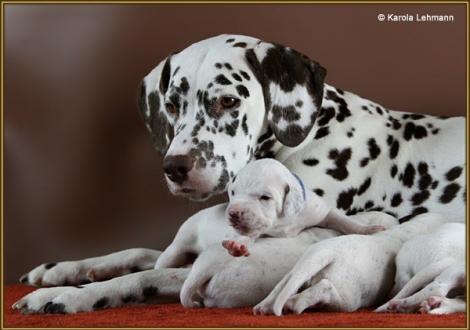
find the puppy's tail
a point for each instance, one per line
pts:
(304, 270)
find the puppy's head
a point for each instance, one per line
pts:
(263, 195)
(223, 102)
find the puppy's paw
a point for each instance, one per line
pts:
(374, 229)
(430, 304)
(236, 249)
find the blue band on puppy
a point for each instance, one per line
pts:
(302, 185)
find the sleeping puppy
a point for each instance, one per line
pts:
(266, 199)
(345, 273)
(431, 273)
(217, 279)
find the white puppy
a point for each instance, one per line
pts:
(219, 280)
(431, 273)
(267, 199)
(345, 273)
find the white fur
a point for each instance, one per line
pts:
(428, 266)
(345, 273)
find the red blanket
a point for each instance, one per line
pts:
(174, 315)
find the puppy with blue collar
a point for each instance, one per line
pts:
(266, 199)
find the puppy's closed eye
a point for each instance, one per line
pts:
(265, 198)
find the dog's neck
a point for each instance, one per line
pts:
(331, 117)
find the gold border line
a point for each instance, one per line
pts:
(432, 2)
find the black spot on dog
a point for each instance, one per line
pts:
(424, 181)
(414, 213)
(456, 292)
(229, 40)
(409, 175)
(454, 173)
(364, 186)
(310, 161)
(396, 200)
(379, 110)
(374, 149)
(244, 124)
(218, 65)
(416, 131)
(345, 199)
(299, 103)
(240, 44)
(266, 135)
(288, 113)
(165, 77)
(176, 70)
(228, 66)
(343, 107)
(449, 193)
(341, 160)
(326, 114)
(184, 85)
(222, 80)
(393, 171)
(234, 114)
(322, 132)
(416, 116)
(243, 91)
(434, 184)
(101, 303)
(420, 197)
(52, 308)
(435, 131)
(319, 192)
(150, 291)
(236, 76)
(50, 265)
(368, 205)
(245, 75)
(364, 162)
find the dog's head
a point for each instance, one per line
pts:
(263, 195)
(223, 102)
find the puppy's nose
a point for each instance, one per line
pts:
(235, 215)
(177, 167)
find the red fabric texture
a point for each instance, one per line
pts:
(174, 315)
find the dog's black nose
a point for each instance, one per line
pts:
(177, 167)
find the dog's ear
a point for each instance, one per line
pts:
(151, 105)
(294, 201)
(292, 87)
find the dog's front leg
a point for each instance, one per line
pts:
(91, 269)
(147, 286)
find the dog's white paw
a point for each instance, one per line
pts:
(57, 274)
(58, 300)
(67, 300)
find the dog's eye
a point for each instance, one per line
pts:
(265, 198)
(228, 102)
(170, 107)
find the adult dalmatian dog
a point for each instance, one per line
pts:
(225, 101)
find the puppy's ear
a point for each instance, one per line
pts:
(292, 87)
(151, 105)
(293, 200)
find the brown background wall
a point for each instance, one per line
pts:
(81, 177)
